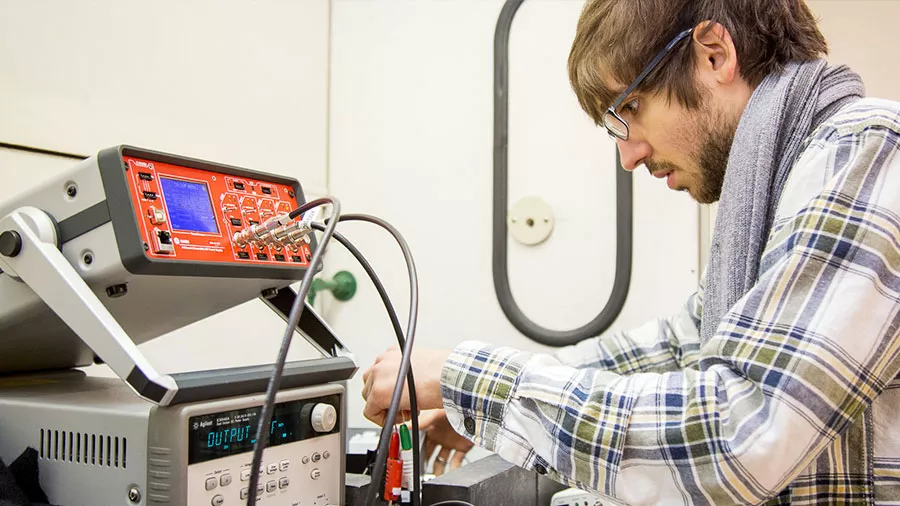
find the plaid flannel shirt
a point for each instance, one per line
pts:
(795, 399)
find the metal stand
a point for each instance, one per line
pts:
(29, 252)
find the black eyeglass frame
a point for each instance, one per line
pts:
(613, 109)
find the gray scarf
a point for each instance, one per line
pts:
(783, 111)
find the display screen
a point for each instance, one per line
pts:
(227, 433)
(189, 205)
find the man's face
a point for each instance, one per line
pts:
(687, 147)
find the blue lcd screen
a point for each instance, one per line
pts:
(189, 206)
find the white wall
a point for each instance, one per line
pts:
(863, 34)
(245, 83)
(411, 141)
(228, 80)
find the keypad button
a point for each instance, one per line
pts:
(284, 482)
(245, 475)
(225, 480)
(272, 468)
(315, 474)
(325, 455)
(244, 493)
(316, 457)
(305, 460)
(218, 500)
(284, 465)
(260, 489)
(271, 486)
(211, 483)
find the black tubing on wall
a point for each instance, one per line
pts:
(624, 214)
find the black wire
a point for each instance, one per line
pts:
(298, 213)
(410, 381)
(378, 471)
(262, 430)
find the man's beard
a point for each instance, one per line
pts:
(713, 157)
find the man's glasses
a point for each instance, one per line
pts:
(615, 125)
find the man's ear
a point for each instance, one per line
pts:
(716, 56)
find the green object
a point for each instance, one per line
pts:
(405, 439)
(342, 285)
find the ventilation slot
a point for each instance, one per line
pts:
(84, 448)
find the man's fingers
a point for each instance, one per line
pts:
(442, 461)
(378, 387)
(374, 413)
(367, 386)
(457, 460)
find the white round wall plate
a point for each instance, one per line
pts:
(530, 220)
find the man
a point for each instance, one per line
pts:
(777, 383)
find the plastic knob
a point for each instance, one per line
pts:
(324, 417)
(10, 243)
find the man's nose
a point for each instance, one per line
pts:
(632, 153)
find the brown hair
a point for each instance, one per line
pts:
(615, 39)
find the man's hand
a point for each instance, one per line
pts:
(381, 377)
(438, 432)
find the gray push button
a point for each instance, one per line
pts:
(218, 500)
(316, 457)
(244, 493)
(245, 475)
(315, 474)
(272, 469)
(284, 482)
(211, 483)
(225, 480)
(284, 465)
(271, 486)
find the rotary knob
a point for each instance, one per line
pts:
(323, 418)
